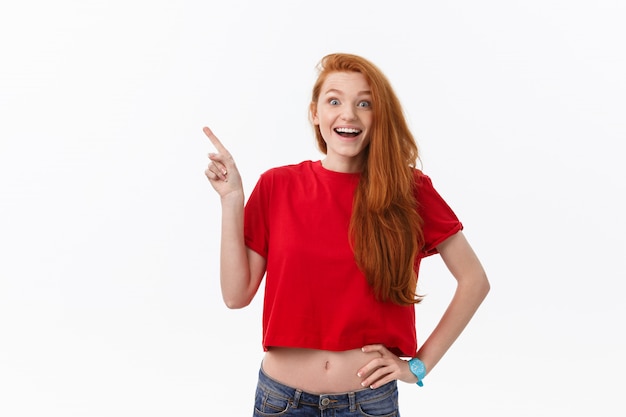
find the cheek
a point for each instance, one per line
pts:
(368, 120)
(323, 122)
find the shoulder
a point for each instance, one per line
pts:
(284, 181)
(285, 172)
(421, 179)
(425, 191)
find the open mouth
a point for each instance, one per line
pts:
(347, 132)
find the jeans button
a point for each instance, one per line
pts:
(325, 402)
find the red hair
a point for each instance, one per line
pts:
(385, 227)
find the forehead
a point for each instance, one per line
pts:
(347, 82)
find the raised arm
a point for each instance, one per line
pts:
(241, 269)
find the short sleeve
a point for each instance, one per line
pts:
(439, 221)
(256, 219)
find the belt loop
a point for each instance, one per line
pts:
(352, 398)
(296, 398)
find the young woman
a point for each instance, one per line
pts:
(340, 241)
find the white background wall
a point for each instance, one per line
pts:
(109, 296)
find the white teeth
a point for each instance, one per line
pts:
(347, 130)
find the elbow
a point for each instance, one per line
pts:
(484, 285)
(236, 303)
(475, 285)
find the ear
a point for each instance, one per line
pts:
(314, 117)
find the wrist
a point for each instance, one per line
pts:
(418, 369)
(235, 197)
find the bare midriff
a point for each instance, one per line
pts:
(317, 371)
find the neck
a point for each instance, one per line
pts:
(351, 166)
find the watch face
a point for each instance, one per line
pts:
(417, 367)
(419, 370)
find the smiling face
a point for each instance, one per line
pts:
(343, 113)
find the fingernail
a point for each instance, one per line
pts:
(358, 374)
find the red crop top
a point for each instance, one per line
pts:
(316, 297)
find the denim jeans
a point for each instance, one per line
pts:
(275, 399)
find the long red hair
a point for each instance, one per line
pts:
(385, 227)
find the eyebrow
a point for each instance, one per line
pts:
(360, 93)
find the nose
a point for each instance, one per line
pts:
(348, 113)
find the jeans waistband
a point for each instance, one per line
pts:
(324, 401)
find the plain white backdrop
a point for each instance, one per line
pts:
(109, 231)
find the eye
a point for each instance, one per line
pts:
(333, 102)
(364, 103)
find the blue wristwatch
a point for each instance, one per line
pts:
(419, 370)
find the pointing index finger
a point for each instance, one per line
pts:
(214, 140)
